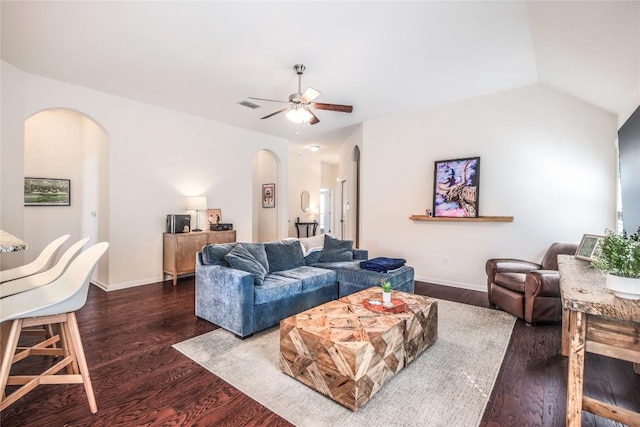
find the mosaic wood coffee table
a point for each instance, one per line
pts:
(348, 348)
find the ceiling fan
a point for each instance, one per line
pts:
(299, 108)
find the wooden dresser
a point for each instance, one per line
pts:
(179, 250)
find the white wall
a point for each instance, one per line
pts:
(546, 158)
(265, 171)
(11, 158)
(328, 175)
(346, 171)
(156, 158)
(304, 175)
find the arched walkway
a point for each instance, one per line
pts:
(66, 144)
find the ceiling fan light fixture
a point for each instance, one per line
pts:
(299, 115)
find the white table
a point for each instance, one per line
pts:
(10, 243)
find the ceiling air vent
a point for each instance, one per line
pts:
(249, 105)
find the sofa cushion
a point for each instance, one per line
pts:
(352, 278)
(336, 250)
(241, 259)
(513, 281)
(258, 252)
(275, 288)
(214, 254)
(283, 255)
(312, 258)
(311, 277)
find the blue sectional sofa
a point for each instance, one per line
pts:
(248, 287)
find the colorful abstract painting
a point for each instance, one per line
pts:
(457, 186)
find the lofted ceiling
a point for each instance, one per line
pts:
(383, 57)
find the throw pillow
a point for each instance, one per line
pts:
(284, 255)
(214, 254)
(258, 252)
(241, 259)
(336, 250)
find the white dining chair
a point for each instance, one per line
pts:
(52, 304)
(44, 278)
(44, 262)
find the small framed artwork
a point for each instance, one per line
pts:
(589, 247)
(268, 195)
(47, 192)
(214, 216)
(456, 187)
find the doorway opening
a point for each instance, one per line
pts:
(66, 144)
(326, 216)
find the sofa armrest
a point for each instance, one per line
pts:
(225, 297)
(360, 254)
(543, 283)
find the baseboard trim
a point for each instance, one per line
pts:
(125, 285)
(444, 282)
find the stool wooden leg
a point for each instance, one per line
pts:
(82, 361)
(10, 336)
(67, 348)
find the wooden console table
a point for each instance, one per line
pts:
(595, 320)
(179, 249)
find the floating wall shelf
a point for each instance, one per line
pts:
(462, 219)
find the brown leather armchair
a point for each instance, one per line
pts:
(528, 290)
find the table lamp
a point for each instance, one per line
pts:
(197, 203)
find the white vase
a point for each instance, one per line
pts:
(386, 297)
(623, 287)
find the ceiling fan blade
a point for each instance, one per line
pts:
(333, 107)
(270, 100)
(273, 114)
(313, 119)
(309, 95)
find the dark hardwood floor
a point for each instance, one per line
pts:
(140, 380)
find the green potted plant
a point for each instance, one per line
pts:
(386, 293)
(619, 257)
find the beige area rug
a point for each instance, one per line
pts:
(447, 385)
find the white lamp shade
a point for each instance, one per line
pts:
(299, 115)
(197, 203)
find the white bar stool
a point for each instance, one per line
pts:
(43, 262)
(40, 279)
(54, 303)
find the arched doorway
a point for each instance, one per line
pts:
(66, 144)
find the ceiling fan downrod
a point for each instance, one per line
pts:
(299, 68)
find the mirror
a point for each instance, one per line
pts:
(304, 201)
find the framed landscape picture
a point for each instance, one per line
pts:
(47, 192)
(268, 195)
(589, 247)
(456, 187)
